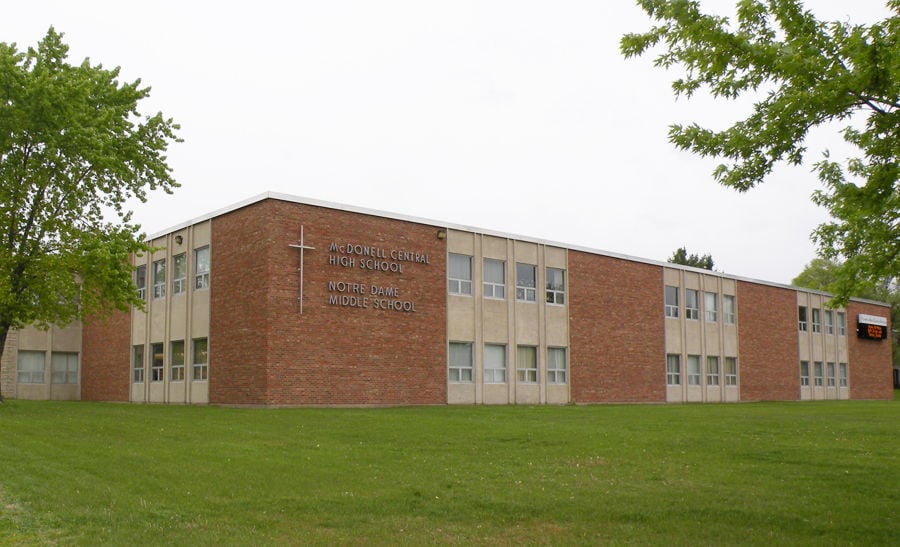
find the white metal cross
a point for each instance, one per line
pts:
(303, 247)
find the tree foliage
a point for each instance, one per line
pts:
(73, 150)
(681, 256)
(809, 73)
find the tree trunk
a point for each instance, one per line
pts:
(4, 330)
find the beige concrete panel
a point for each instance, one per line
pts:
(176, 248)
(692, 340)
(557, 326)
(494, 247)
(805, 393)
(460, 318)
(161, 251)
(818, 350)
(557, 394)
(66, 338)
(710, 283)
(802, 298)
(729, 286)
(673, 335)
(843, 393)
(694, 394)
(527, 330)
(138, 326)
(713, 346)
(732, 394)
(692, 280)
(33, 392)
(460, 242)
(526, 253)
(555, 257)
(158, 320)
(496, 394)
(528, 394)
(200, 314)
(65, 392)
(672, 277)
(33, 339)
(178, 392)
(199, 393)
(178, 317)
(731, 341)
(674, 394)
(461, 394)
(804, 350)
(714, 394)
(201, 234)
(495, 326)
(157, 392)
(137, 393)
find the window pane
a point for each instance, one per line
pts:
(64, 368)
(200, 359)
(671, 301)
(460, 362)
(30, 367)
(494, 363)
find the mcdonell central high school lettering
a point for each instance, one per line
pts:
(280, 300)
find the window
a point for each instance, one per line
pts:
(556, 365)
(816, 320)
(693, 370)
(842, 323)
(818, 371)
(176, 362)
(526, 282)
(30, 367)
(671, 301)
(200, 363)
(64, 368)
(556, 286)
(494, 364)
(804, 373)
(179, 274)
(712, 371)
(801, 318)
(691, 304)
(157, 365)
(830, 374)
(137, 364)
(710, 306)
(140, 281)
(460, 366)
(731, 376)
(201, 266)
(526, 364)
(459, 274)
(728, 309)
(844, 375)
(673, 370)
(829, 322)
(159, 278)
(494, 278)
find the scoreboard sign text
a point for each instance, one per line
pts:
(871, 326)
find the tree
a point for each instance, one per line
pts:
(73, 150)
(823, 275)
(809, 73)
(681, 256)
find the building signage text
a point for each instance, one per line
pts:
(373, 296)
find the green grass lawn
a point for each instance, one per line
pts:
(764, 473)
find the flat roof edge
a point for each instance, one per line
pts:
(451, 226)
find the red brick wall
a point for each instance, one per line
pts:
(239, 286)
(263, 351)
(106, 358)
(768, 346)
(870, 360)
(616, 337)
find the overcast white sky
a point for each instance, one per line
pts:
(517, 116)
